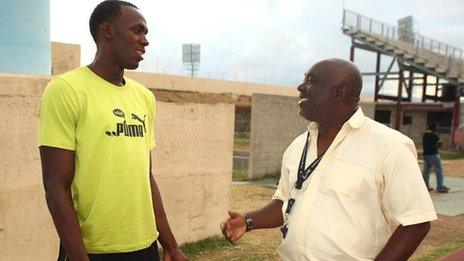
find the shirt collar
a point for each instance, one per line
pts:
(312, 126)
(356, 120)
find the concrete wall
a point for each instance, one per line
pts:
(275, 122)
(192, 164)
(26, 229)
(182, 83)
(65, 57)
(417, 127)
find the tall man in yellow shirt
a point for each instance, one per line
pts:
(344, 181)
(96, 133)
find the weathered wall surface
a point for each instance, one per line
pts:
(26, 229)
(182, 83)
(65, 57)
(417, 127)
(275, 122)
(192, 165)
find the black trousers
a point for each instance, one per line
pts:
(148, 254)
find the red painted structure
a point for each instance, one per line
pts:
(404, 94)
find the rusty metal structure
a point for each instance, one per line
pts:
(433, 67)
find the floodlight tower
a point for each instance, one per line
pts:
(406, 29)
(191, 57)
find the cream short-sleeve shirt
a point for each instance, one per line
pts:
(367, 179)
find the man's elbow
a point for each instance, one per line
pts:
(55, 189)
(50, 189)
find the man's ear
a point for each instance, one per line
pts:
(354, 98)
(106, 30)
(338, 91)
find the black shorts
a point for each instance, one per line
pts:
(147, 254)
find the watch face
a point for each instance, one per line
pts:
(249, 222)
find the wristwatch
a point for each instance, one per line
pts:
(249, 222)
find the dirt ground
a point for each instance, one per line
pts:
(261, 245)
(453, 168)
(445, 229)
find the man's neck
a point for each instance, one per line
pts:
(330, 126)
(328, 130)
(107, 69)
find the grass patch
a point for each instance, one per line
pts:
(241, 142)
(275, 175)
(449, 155)
(446, 154)
(203, 246)
(443, 250)
(240, 175)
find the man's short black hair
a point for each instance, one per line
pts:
(105, 12)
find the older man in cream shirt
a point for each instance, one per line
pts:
(344, 182)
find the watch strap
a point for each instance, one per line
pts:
(249, 222)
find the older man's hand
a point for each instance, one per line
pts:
(234, 227)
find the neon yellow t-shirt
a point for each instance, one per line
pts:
(110, 128)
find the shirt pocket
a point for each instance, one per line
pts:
(344, 179)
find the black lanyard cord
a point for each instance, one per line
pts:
(302, 175)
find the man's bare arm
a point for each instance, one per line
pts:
(58, 174)
(404, 242)
(166, 238)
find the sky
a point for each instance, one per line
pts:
(263, 41)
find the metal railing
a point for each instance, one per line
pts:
(419, 42)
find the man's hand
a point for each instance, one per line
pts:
(270, 216)
(234, 227)
(174, 255)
